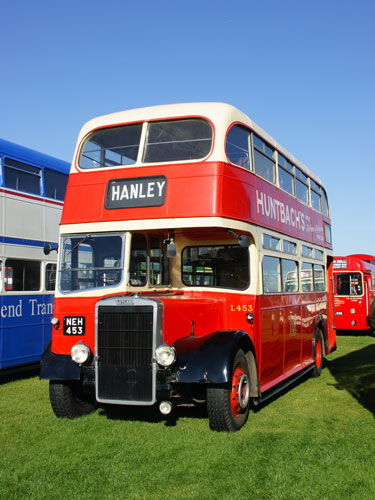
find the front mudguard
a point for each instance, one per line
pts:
(58, 367)
(209, 359)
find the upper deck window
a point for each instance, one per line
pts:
(286, 177)
(324, 203)
(264, 163)
(237, 146)
(177, 140)
(315, 195)
(111, 147)
(55, 184)
(21, 176)
(302, 190)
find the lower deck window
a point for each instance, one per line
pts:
(50, 276)
(221, 266)
(21, 275)
(279, 275)
(312, 277)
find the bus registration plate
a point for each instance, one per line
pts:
(74, 325)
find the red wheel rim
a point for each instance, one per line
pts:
(238, 374)
(318, 353)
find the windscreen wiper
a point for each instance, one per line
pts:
(83, 240)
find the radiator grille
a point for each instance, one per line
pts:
(124, 353)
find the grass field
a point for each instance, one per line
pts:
(316, 441)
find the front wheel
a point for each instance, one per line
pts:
(68, 399)
(318, 348)
(228, 408)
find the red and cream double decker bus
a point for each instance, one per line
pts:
(193, 261)
(354, 281)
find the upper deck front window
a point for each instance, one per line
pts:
(165, 141)
(111, 147)
(177, 140)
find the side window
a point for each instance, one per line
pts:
(289, 247)
(22, 275)
(138, 260)
(55, 184)
(264, 162)
(22, 176)
(315, 195)
(237, 146)
(307, 277)
(306, 251)
(302, 190)
(221, 266)
(324, 203)
(271, 242)
(50, 276)
(286, 177)
(319, 281)
(289, 275)
(327, 232)
(271, 274)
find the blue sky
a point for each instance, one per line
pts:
(303, 70)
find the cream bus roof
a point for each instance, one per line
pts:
(220, 114)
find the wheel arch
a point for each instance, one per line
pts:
(210, 359)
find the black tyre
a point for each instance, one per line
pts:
(318, 349)
(68, 399)
(372, 327)
(228, 407)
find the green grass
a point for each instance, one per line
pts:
(316, 441)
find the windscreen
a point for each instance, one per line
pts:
(349, 284)
(90, 261)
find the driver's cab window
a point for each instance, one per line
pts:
(148, 260)
(138, 260)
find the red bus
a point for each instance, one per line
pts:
(193, 261)
(354, 281)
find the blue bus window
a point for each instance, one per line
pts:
(21, 176)
(55, 184)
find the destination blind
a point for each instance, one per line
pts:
(136, 192)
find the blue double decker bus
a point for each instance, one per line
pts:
(32, 190)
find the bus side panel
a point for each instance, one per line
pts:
(292, 333)
(25, 328)
(25, 218)
(52, 218)
(272, 339)
(309, 316)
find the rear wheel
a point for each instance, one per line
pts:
(228, 407)
(318, 352)
(68, 399)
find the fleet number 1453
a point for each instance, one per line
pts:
(242, 308)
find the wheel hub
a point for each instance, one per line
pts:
(240, 393)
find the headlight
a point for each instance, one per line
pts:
(80, 353)
(165, 355)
